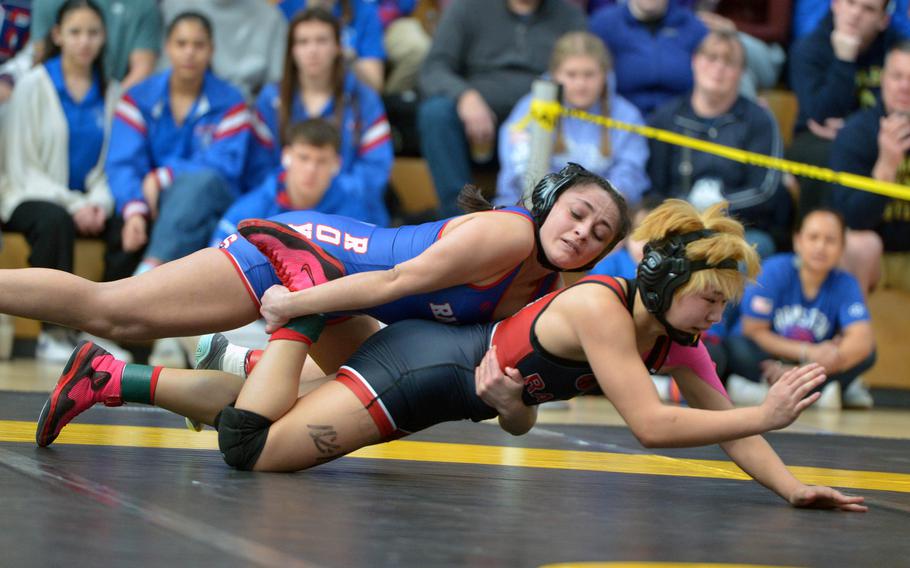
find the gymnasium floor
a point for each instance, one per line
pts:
(131, 486)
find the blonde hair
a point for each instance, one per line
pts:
(675, 217)
(587, 45)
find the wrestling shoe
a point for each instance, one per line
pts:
(299, 262)
(215, 352)
(91, 375)
(210, 351)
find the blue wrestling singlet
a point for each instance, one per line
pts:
(363, 247)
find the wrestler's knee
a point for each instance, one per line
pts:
(241, 436)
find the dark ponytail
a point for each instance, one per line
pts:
(472, 200)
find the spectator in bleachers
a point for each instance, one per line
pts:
(764, 30)
(178, 145)
(56, 138)
(484, 57)
(133, 36)
(316, 83)
(581, 64)
(807, 14)
(361, 34)
(249, 35)
(835, 71)
(652, 42)
(804, 309)
(715, 111)
(406, 44)
(875, 142)
(310, 163)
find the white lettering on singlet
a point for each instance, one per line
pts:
(443, 312)
(333, 236)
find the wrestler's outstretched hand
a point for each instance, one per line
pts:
(821, 497)
(789, 396)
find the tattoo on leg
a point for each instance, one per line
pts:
(325, 437)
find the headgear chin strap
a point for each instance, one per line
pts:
(663, 269)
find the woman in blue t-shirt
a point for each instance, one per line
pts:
(801, 309)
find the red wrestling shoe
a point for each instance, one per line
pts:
(91, 375)
(299, 262)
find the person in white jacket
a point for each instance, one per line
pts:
(55, 141)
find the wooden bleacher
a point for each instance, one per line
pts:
(889, 310)
(783, 105)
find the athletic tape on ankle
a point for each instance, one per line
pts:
(138, 383)
(306, 329)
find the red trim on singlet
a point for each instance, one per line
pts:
(493, 284)
(370, 400)
(243, 278)
(442, 229)
(610, 282)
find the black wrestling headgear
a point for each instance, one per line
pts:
(548, 190)
(664, 268)
(550, 187)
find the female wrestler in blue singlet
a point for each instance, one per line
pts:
(600, 333)
(577, 217)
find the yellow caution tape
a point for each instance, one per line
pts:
(546, 113)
